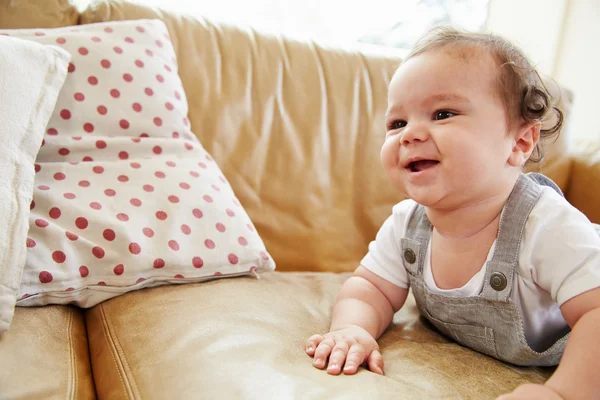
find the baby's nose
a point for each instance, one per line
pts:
(414, 133)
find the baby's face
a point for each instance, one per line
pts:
(447, 140)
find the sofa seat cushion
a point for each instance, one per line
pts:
(45, 355)
(244, 338)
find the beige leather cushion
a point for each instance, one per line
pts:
(44, 355)
(297, 130)
(16, 14)
(244, 338)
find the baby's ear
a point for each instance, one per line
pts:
(526, 139)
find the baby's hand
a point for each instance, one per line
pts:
(348, 348)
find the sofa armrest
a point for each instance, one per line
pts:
(583, 190)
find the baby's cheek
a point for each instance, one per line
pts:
(389, 154)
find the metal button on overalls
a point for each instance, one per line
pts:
(498, 281)
(410, 256)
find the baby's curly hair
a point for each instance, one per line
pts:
(522, 91)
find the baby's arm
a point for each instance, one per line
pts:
(577, 375)
(363, 310)
(566, 254)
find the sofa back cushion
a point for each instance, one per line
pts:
(296, 128)
(37, 14)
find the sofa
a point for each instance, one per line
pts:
(296, 128)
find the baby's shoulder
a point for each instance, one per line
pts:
(560, 248)
(553, 211)
(555, 229)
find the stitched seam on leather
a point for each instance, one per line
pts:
(127, 369)
(113, 352)
(75, 371)
(72, 374)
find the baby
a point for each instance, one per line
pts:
(497, 259)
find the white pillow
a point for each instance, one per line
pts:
(126, 197)
(31, 76)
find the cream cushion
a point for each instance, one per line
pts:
(31, 76)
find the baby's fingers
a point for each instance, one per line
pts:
(322, 352)
(312, 343)
(375, 362)
(356, 356)
(337, 357)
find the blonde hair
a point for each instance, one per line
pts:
(521, 89)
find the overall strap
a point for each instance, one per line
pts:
(414, 244)
(501, 269)
(545, 181)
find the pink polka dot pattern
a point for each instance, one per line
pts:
(125, 196)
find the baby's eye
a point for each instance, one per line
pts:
(397, 124)
(443, 114)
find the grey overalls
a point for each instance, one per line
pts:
(489, 322)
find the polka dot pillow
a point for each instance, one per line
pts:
(125, 196)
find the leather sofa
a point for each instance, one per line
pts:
(296, 127)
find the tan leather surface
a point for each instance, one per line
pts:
(16, 14)
(297, 130)
(44, 355)
(244, 338)
(584, 185)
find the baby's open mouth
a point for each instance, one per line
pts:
(421, 165)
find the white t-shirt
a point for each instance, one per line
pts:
(559, 259)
